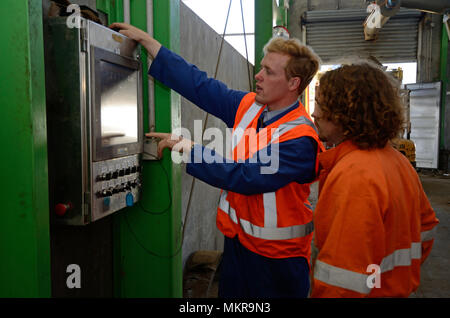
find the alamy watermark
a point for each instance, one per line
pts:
(74, 20)
(74, 279)
(374, 18)
(246, 145)
(373, 280)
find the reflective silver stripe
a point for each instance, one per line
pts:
(238, 132)
(427, 235)
(355, 281)
(340, 277)
(284, 128)
(269, 231)
(233, 215)
(308, 206)
(279, 233)
(270, 210)
(224, 205)
(266, 232)
(401, 257)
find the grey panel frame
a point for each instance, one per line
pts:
(425, 102)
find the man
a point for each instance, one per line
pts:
(265, 216)
(373, 220)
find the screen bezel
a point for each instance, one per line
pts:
(101, 152)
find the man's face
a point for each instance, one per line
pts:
(272, 85)
(328, 131)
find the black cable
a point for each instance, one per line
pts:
(193, 179)
(146, 249)
(207, 117)
(156, 213)
(246, 51)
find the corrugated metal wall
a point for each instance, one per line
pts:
(335, 34)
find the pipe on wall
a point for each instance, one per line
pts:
(126, 11)
(151, 83)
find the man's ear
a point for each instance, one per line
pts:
(294, 83)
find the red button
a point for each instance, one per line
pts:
(61, 209)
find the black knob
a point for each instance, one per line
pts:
(127, 171)
(108, 176)
(115, 174)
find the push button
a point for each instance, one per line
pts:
(61, 208)
(129, 199)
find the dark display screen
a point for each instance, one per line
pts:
(119, 104)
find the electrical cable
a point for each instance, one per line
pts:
(156, 213)
(146, 249)
(207, 117)
(246, 51)
(193, 179)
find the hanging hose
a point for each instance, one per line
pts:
(205, 123)
(203, 130)
(246, 52)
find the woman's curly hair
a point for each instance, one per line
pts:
(364, 101)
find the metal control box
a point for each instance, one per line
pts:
(94, 121)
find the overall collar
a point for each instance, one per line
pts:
(330, 158)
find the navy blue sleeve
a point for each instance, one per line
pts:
(186, 79)
(297, 159)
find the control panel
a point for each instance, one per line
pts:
(116, 184)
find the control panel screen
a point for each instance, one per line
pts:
(119, 104)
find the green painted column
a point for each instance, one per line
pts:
(147, 237)
(24, 217)
(114, 9)
(263, 27)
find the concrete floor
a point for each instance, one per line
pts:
(435, 274)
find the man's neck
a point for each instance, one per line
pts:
(281, 106)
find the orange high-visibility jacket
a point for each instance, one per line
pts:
(275, 224)
(373, 224)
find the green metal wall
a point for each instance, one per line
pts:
(114, 9)
(146, 246)
(24, 222)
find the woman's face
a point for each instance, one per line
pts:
(329, 132)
